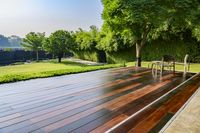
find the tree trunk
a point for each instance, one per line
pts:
(138, 54)
(59, 59)
(140, 44)
(37, 56)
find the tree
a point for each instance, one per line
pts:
(139, 21)
(33, 41)
(58, 43)
(87, 40)
(87, 43)
(110, 41)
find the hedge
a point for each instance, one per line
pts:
(155, 50)
(96, 56)
(12, 56)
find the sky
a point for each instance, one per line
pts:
(19, 17)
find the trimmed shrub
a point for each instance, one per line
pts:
(96, 56)
(8, 57)
(155, 50)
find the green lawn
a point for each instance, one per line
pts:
(194, 67)
(45, 69)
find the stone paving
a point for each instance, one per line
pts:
(188, 120)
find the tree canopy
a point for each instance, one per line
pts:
(33, 41)
(59, 42)
(87, 40)
(138, 21)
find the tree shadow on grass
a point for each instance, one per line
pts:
(71, 63)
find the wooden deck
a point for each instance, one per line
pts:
(94, 102)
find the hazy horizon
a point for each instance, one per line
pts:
(19, 17)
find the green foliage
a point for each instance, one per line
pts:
(133, 19)
(142, 21)
(196, 32)
(182, 14)
(33, 41)
(121, 56)
(87, 55)
(87, 40)
(59, 42)
(156, 49)
(45, 69)
(87, 43)
(96, 56)
(83, 40)
(111, 41)
(8, 49)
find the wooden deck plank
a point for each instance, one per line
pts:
(106, 126)
(43, 84)
(64, 112)
(51, 100)
(66, 108)
(124, 82)
(133, 105)
(153, 119)
(136, 105)
(102, 105)
(83, 121)
(61, 110)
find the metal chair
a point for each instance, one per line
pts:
(186, 64)
(168, 61)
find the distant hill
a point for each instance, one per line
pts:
(10, 42)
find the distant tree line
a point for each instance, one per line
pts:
(61, 41)
(10, 42)
(10, 56)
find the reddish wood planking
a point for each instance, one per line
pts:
(150, 121)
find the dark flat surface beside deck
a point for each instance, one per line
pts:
(92, 102)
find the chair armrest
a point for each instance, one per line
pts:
(179, 63)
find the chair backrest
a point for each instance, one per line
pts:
(168, 58)
(186, 59)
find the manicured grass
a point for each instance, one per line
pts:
(45, 69)
(194, 67)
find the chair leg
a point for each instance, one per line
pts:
(188, 67)
(185, 68)
(174, 69)
(152, 65)
(161, 70)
